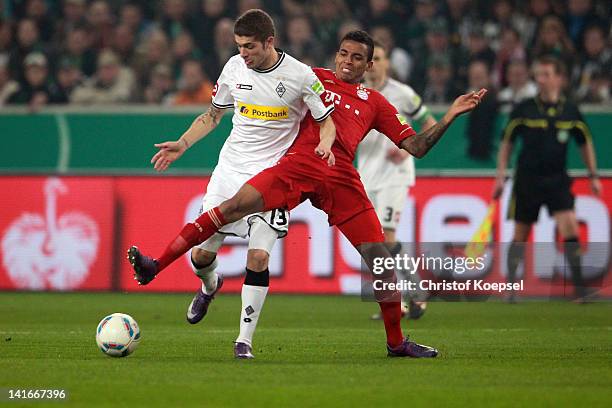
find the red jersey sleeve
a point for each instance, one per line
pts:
(390, 123)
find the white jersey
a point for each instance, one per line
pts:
(268, 108)
(376, 171)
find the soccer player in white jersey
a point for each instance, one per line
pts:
(388, 172)
(270, 93)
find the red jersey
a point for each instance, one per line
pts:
(357, 110)
(337, 190)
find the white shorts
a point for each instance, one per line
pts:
(389, 203)
(261, 236)
(223, 185)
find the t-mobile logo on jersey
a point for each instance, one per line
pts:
(332, 97)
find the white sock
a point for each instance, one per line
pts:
(208, 276)
(253, 298)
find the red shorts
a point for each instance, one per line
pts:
(299, 176)
(364, 228)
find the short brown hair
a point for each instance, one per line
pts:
(560, 68)
(255, 23)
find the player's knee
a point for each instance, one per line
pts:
(521, 232)
(370, 252)
(389, 235)
(231, 209)
(201, 257)
(568, 228)
(257, 260)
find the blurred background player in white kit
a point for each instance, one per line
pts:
(388, 172)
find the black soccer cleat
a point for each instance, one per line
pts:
(411, 349)
(200, 303)
(145, 267)
(243, 351)
(584, 295)
(416, 309)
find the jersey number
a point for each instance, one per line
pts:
(389, 214)
(278, 217)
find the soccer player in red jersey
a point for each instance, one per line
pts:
(334, 185)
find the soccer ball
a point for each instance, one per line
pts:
(118, 335)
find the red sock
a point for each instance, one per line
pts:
(392, 316)
(191, 235)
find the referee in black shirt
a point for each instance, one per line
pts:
(545, 124)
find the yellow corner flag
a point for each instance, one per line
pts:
(483, 235)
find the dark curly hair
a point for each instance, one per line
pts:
(362, 37)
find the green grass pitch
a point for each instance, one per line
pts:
(310, 351)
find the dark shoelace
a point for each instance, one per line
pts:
(202, 299)
(417, 347)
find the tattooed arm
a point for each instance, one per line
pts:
(419, 144)
(200, 128)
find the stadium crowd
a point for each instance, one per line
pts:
(170, 52)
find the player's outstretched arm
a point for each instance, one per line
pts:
(169, 152)
(327, 135)
(421, 143)
(397, 156)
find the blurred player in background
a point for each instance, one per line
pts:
(387, 172)
(270, 92)
(335, 189)
(545, 124)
